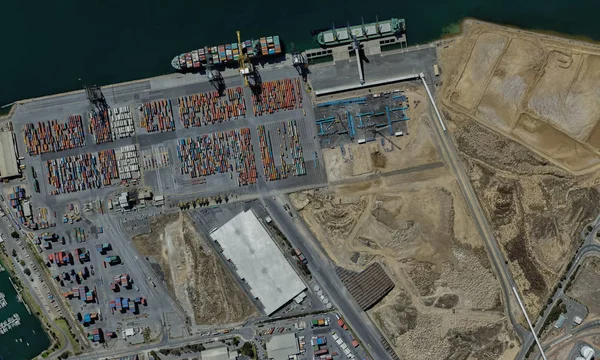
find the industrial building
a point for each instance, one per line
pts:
(587, 353)
(8, 157)
(257, 259)
(281, 347)
(219, 353)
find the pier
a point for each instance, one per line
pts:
(12, 322)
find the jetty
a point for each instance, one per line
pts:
(3, 302)
(12, 322)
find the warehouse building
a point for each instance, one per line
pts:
(281, 347)
(8, 159)
(219, 353)
(257, 259)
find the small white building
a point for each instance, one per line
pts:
(124, 200)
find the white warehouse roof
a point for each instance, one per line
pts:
(258, 260)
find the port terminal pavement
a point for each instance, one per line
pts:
(339, 73)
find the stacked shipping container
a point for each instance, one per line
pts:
(278, 95)
(209, 108)
(100, 126)
(82, 172)
(158, 116)
(220, 152)
(52, 136)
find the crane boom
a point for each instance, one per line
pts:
(242, 59)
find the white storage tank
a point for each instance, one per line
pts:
(587, 352)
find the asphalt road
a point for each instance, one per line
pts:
(450, 156)
(45, 278)
(323, 270)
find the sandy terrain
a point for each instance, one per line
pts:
(417, 226)
(538, 90)
(194, 273)
(484, 56)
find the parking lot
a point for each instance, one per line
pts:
(328, 329)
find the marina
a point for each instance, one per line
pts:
(23, 337)
(3, 302)
(10, 323)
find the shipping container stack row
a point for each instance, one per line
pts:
(128, 163)
(158, 116)
(121, 121)
(82, 172)
(100, 126)
(216, 153)
(124, 304)
(52, 136)
(210, 108)
(266, 153)
(270, 45)
(299, 168)
(60, 258)
(343, 346)
(79, 234)
(278, 95)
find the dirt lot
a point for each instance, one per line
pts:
(417, 226)
(193, 272)
(586, 286)
(535, 208)
(538, 90)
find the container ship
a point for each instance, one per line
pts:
(363, 32)
(227, 53)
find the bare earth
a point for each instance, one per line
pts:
(194, 273)
(418, 227)
(535, 204)
(538, 90)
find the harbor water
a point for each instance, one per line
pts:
(50, 49)
(27, 340)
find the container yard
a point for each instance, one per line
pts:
(290, 153)
(100, 126)
(52, 136)
(210, 107)
(128, 163)
(158, 116)
(278, 95)
(82, 172)
(217, 153)
(154, 158)
(121, 121)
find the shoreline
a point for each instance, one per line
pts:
(31, 306)
(550, 34)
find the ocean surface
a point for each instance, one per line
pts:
(51, 47)
(27, 340)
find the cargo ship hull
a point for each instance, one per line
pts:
(227, 54)
(363, 32)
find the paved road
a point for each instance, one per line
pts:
(45, 278)
(246, 334)
(451, 157)
(11, 244)
(588, 249)
(323, 271)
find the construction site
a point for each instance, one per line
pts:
(193, 272)
(531, 168)
(403, 209)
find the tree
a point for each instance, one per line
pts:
(14, 253)
(15, 235)
(22, 262)
(27, 271)
(236, 341)
(248, 349)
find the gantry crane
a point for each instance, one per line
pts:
(245, 64)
